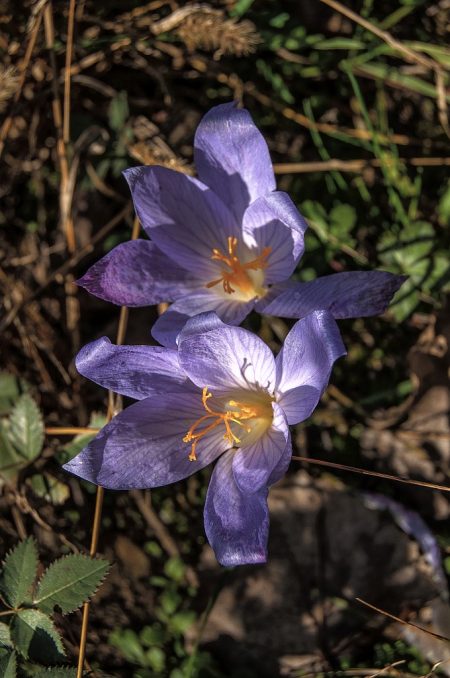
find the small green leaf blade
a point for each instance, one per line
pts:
(19, 572)
(5, 636)
(8, 665)
(56, 672)
(35, 637)
(69, 582)
(26, 430)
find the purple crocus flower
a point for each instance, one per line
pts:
(225, 242)
(221, 393)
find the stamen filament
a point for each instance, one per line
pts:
(230, 416)
(237, 275)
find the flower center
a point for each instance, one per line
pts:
(253, 417)
(241, 274)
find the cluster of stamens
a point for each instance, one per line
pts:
(236, 416)
(237, 275)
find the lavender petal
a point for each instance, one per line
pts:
(133, 371)
(137, 273)
(236, 523)
(232, 157)
(253, 465)
(143, 446)
(305, 362)
(352, 294)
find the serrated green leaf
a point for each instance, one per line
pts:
(56, 672)
(9, 391)
(35, 637)
(69, 582)
(26, 431)
(19, 572)
(10, 460)
(8, 666)
(5, 635)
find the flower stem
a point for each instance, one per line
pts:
(96, 523)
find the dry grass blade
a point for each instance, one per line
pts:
(402, 621)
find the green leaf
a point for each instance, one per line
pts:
(444, 207)
(175, 569)
(49, 488)
(9, 391)
(26, 430)
(56, 672)
(343, 220)
(394, 77)
(8, 666)
(69, 582)
(128, 643)
(156, 658)
(181, 621)
(19, 572)
(36, 637)
(339, 43)
(10, 460)
(5, 635)
(118, 111)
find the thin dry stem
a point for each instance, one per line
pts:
(375, 474)
(67, 80)
(69, 430)
(65, 196)
(402, 621)
(96, 524)
(357, 165)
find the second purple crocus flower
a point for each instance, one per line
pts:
(220, 394)
(225, 242)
